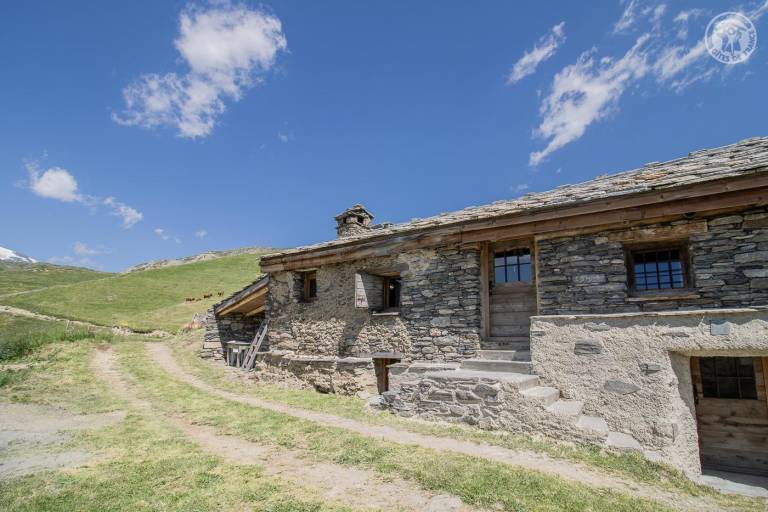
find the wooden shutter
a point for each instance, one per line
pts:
(369, 291)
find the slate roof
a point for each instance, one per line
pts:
(743, 158)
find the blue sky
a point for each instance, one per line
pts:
(140, 130)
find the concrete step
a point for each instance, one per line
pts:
(566, 408)
(543, 394)
(489, 365)
(505, 355)
(593, 423)
(622, 441)
(519, 380)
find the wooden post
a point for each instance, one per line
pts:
(765, 378)
(485, 299)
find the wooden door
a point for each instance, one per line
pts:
(733, 432)
(512, 292)
(382, 372)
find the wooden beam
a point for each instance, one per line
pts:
(765, 377)
(485, 308)
(531, 224)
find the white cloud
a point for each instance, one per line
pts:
(628, 17)
(54, 183)
(674, 59)
(285, 137)
(682, 21)
(583, 93)
(201, 233)
(225, 47)
(164, 235)
(129, 215)
(591, 88)
(520, 188)
(543, 50)
(82, 249)
(58, 183)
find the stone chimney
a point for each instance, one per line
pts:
(353, 221)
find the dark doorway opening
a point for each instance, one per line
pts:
(380, 364)
(732, 413)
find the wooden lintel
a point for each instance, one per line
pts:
(703, 199)
(660, 233)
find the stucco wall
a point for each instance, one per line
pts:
(439, 317)
(633, 369)
(588, 273)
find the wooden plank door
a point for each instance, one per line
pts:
(512, 295)
(733, 432)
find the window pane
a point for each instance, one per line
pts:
(525, 273)
(725, 366)
(709, 387)
(746, 367)
(658, 270)
(498, 259)
(748, 389)
(707, 366)
(728, 387)
(500, 276)
(525, 257)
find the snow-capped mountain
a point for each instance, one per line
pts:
(9, 255)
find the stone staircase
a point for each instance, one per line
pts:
(506, 363)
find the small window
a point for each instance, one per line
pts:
(310, 286)
(728, 377)
(658, 269)
(392, 287)
(512, 266)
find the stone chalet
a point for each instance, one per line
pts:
(628, 311)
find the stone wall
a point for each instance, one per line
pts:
(588, 273)
(439, 317)
(232, 327)
(343, 376)
(490, 401)
(633, 369)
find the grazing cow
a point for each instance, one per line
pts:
(221, 294)
(190, 299)
(207, 295)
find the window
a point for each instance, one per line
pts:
(512, 266)
(310, 286)
(392, 287)
(728, 377)
(657, 269)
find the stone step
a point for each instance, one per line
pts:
(622, 441)
(543, 394)
(505, 346)
(593, 423)
(506, 340)
(566, 408)
(519, 380)
(505, 355)
(489, 365)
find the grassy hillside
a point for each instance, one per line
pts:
(20, 336)
(145, 300)
(17, 277)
